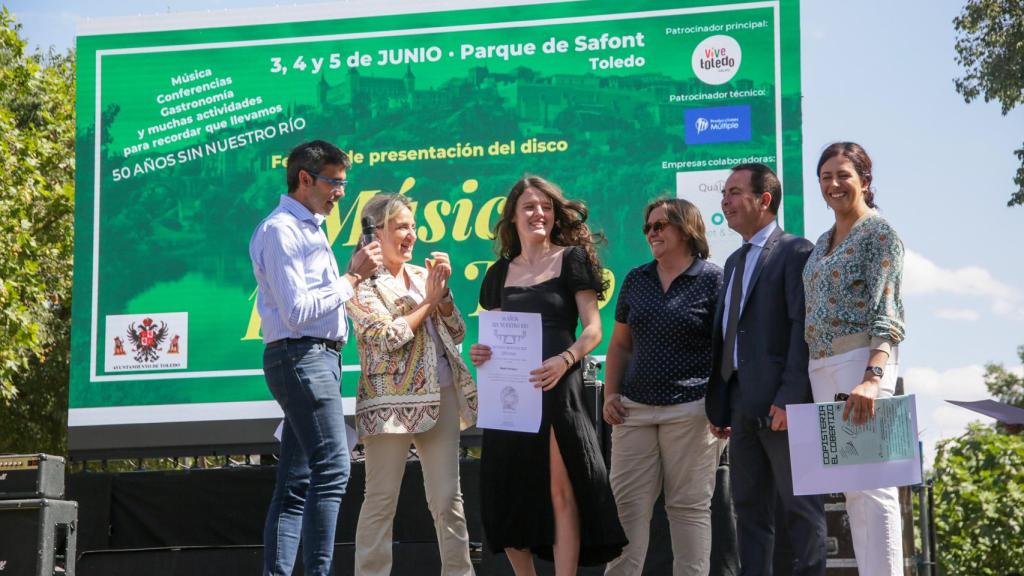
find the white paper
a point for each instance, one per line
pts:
(867, 457)
(507, 398)
(1005, 413)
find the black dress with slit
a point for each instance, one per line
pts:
(514, 469)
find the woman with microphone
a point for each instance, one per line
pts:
(414, 388)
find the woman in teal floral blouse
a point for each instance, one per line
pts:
(854, 323)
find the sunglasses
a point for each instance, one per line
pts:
(657, 226)
(334, 183)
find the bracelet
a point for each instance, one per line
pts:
(564, 359)
(571, 355)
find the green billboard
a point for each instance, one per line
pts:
(183, 134)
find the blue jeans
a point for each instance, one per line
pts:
(305, 379)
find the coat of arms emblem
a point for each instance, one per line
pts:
(146, 339)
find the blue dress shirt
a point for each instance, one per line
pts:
(299, 289)
(757, 242)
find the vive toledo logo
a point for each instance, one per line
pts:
(717, 59)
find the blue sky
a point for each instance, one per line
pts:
(879, 73)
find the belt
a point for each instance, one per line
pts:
(335, 345)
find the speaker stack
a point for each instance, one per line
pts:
(37, 527)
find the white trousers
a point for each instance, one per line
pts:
(386, 454)
(874, 514)
(666, 448)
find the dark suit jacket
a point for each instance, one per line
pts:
(772, 367)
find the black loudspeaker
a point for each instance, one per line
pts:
(37, 537)
(31, 476)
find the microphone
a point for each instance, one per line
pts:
(368, 236)
(369, 227)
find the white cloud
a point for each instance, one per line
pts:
(936, 418)
(966, 314)
(922, 276)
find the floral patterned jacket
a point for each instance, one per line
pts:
(853, 293)
(398, 389)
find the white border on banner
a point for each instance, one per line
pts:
(282, 14)
(164, 413)
(94, 377)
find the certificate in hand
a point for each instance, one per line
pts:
(508, 400)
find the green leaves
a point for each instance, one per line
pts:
(1005, 385)
(979, 491)
(990, 48)
(37, 134)
(979, 495)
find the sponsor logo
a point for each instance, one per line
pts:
(704, 188)
(722, 124)
(3, 476)
(716, 59)
(147, 342)
(3, 565)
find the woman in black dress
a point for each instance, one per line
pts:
(548, 493)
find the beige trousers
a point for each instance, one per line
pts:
(386, 454)
(670, 448)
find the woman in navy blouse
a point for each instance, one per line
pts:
(656, 377)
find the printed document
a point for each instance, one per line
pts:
(829, 454)
(507, 398)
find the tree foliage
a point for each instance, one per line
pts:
(979, 495)
(37, 168)
(1008, 387)
(990, 48)
(1003, 384)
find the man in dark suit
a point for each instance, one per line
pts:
(759, 365)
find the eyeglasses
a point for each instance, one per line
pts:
(334, 182)
(657, 226)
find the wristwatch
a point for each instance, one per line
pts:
(876, 370)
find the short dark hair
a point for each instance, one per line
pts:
(686, 217)
(763, 179)
(312, 157)
(857, 156)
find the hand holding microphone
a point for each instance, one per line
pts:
(369, 228)
(368, 258)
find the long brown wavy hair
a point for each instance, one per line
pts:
(570, 227)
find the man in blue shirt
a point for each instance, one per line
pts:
(300, 298)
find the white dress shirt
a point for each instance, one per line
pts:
(299, 289)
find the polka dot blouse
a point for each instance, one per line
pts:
(671, 332)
